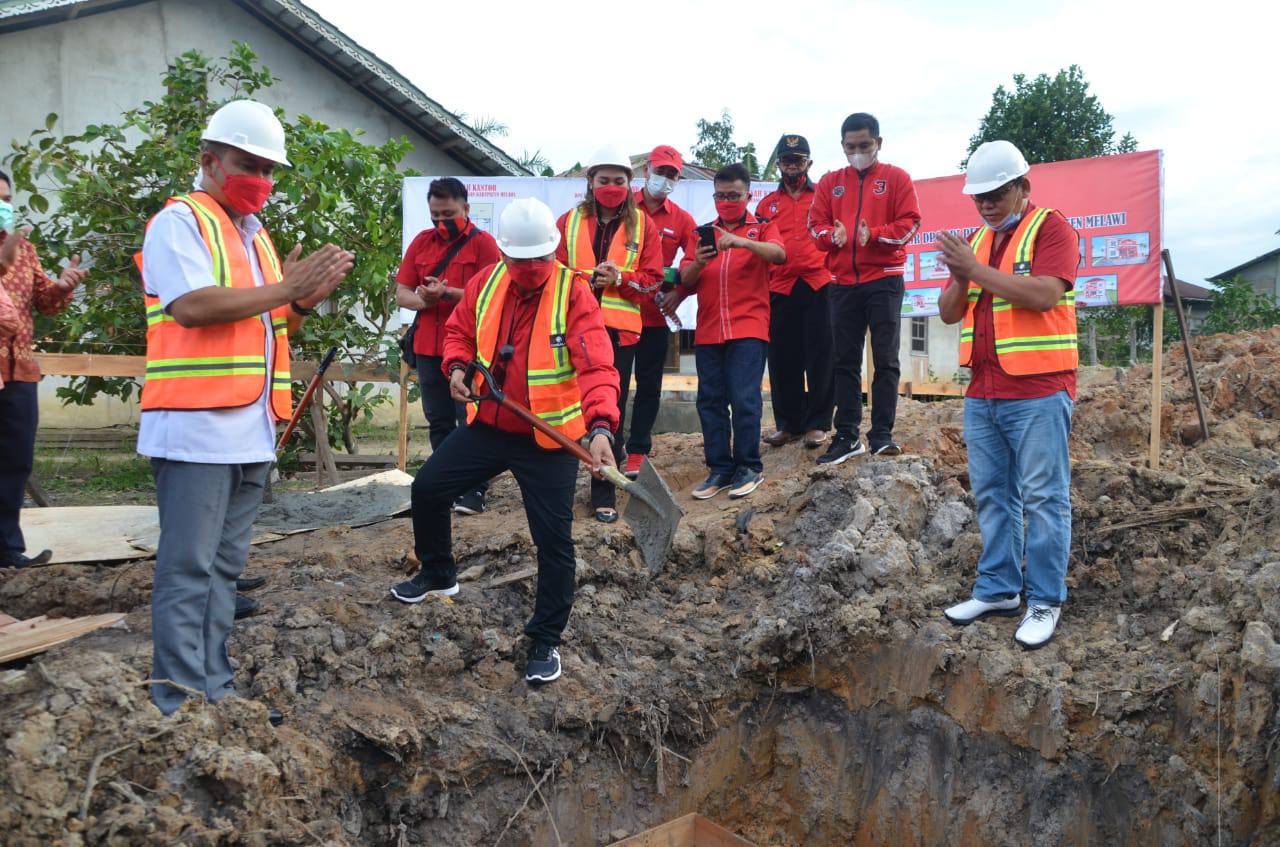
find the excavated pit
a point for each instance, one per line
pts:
(789, 675)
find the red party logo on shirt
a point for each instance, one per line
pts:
(773, 208)
(753, 233)
(838, 191)
(881, 187)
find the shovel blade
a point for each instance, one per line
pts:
(653, 515)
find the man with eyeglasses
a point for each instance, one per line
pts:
(799, 316)
(862, 218)
(1013, 284)
(731, 278)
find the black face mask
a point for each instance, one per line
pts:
(450, 226)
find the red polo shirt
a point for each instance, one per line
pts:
(675, 229)
(1056, 254)
(733, 289)
(804, 260)
(424, 253)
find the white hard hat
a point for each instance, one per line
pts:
(609, 156)
(249, 126)
(992, 165)
(527, 229)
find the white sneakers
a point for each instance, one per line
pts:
(1035, 631)
(1037, 627)
(963, 614)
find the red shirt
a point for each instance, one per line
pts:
(27, 286)
(804, 260)
(675, 229)
(1057, 255)
(589, 349)
(885, 198)
(424, 253)
(733, 289)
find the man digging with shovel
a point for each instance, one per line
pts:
(542, 337)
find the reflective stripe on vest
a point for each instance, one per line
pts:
(619, 313)
(1027, 342)
(554, 395)
(222, 366)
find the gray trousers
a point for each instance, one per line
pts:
(206, 523)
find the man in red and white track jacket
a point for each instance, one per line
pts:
(862, 217)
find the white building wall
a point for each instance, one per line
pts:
(92, 68)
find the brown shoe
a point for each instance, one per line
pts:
(815, 438)
(780, 438)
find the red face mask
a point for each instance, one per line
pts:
(733, 212)
(531, 275)
(246, 194)
(610, 196)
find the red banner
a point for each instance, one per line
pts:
(1114, 202)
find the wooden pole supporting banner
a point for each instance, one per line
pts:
(1157, 368)
(1186, 344)
(403, 443)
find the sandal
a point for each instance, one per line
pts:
(604, 514)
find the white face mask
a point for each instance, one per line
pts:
(659, 186)
(861, 161)
(6, 216)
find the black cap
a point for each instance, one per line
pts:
(792, 145)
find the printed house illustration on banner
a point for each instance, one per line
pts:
(1130, 248)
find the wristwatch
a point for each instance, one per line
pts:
(299, 310)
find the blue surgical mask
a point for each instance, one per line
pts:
(6, 216)
(1010, 221)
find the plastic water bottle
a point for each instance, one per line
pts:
(673, 322)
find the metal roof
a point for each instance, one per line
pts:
(1233, 271)
(326, 44)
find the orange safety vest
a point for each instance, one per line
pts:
(619, 313)
(554, 395)
(222, 366)
(1027, 342)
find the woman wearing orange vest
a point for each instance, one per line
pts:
(610, 243)
(535, 325)
(1013, 286)
(219, 305)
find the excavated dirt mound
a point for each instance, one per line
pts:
(789, 674)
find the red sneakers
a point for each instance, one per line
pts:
(634, 461)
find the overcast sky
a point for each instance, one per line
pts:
(568, 76)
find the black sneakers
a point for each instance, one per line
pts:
(744, 482)
(544, 664)
(422, 586)
(842, 448)
(19, 560)
(889, 448)
(245, 607)
(471, 503)
(713, 486)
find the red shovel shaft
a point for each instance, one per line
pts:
(306, 398)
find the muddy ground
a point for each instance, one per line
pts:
(790, 674)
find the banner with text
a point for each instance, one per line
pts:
(1114, 202)
(489, 195)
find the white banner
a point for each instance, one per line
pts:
(489, 195)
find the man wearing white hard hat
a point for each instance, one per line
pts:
(538, 329)
(610, 243)
(1013, 286)
(220, 303)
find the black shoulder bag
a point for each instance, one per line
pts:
(406, 340)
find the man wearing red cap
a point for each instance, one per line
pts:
(676, 232)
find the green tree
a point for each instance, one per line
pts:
(1051, 119)
(716, 148)
(111, 178)
(1237, 306)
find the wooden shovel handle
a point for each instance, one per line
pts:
(492, 392)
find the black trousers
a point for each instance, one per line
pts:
(466, 459)
(444, 414)
(603, 494)
(650, 358)
(875, 305)
(800, 352)
(19, 416)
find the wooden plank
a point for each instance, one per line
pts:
(356, 460)
(676, 833)
(514, 576)
(50, 633)
(1157, 371)
(341, 372)
(709, 834)
(91, 364)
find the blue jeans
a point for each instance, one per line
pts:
(1018, 465)
(729, 377)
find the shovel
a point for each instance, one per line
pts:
(651, 512)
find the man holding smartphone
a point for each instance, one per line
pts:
(862, 218)
(730, 273)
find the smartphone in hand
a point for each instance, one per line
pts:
(706, 235)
